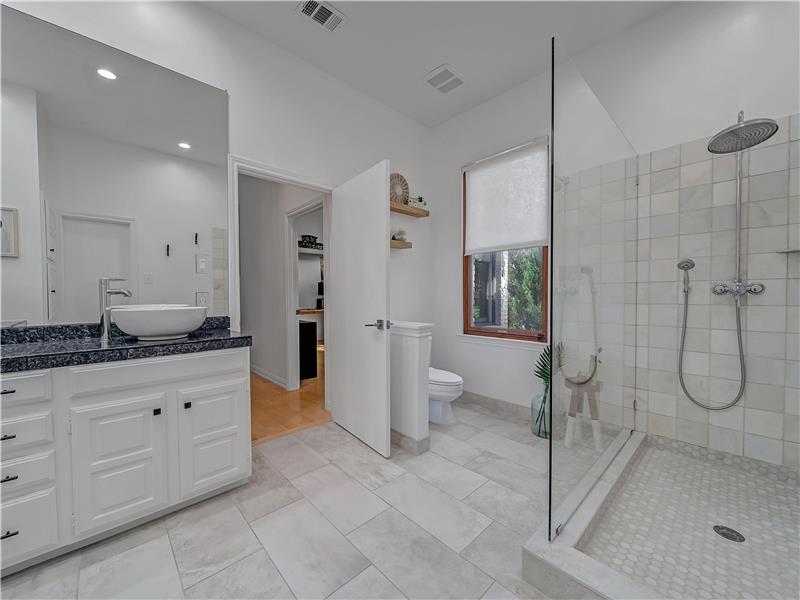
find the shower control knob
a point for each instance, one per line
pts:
(755, 288)
(720, 288)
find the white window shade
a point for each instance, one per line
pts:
(507, 202)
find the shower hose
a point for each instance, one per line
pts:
(743, 378)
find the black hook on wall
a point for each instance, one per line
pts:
(167, 249)
(195, 239)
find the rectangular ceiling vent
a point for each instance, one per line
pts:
(321, 13)
(444, 79)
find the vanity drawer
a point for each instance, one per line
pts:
(27, 387)
(22, 473)
(28, 525)
(26, 431)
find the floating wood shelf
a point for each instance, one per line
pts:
(399, 245)
(310, 311)
(314, 251)
(411, 211)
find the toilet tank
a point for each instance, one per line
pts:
(410, 359)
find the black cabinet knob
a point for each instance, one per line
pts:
(156, 411)
(187, 405)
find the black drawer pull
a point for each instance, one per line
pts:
(187, 405)
(9, 478)
(9, 534)
(4, 392)
(156, 411)
(8, 436)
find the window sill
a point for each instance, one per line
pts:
(486, 340)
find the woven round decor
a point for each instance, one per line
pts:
(398, 189)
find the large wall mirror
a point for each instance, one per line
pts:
(111, 167)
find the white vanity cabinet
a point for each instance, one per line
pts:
(91, 448)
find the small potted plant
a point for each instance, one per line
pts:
(539, 404)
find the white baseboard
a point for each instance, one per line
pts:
(281, 381)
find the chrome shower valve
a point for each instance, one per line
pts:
(738, 288)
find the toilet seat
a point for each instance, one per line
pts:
(442, 378)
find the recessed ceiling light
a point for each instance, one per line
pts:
(106, 74)
(184, 145)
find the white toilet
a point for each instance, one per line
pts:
(443, 388)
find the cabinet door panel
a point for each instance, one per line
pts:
(213, 436)
(118, 461)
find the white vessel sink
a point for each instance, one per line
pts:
(158, 321)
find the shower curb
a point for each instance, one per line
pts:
(559, 568)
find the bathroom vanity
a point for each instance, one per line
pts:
(97, 439)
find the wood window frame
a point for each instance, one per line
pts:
(512, 334)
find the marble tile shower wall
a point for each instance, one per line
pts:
(686, 209)
(631, 221)
(596, 256)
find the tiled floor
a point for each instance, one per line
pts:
(276, 411)
(323, 516)
(658, 530)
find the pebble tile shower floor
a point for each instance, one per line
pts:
(658, 529)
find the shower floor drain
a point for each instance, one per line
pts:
(728, 533)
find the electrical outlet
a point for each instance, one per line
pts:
(201, 298)
(201, 264)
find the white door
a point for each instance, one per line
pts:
(93, 247)
(356, 298)
(214, 435)
(118, 460)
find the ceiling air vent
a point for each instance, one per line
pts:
(444, 79)
(321, 13)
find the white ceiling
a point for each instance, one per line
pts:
(384, 49)
(147, 105)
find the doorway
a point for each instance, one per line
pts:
(281, 262)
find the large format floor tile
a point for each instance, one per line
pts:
(363, 464)
(291, 456)
(514, 510)
(370, 584)
(57, 578)
(498, 552)
(324, 437)
(512, 475)
(266, 491)
(209, 537)
(453, 449)
(444, 474)
(252, 577)
(122, 542)
(146, 571)
(416, 562)
(533, 457)
(453, 522)
(313, 557)
(345, 502)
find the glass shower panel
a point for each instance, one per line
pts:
(593, 291)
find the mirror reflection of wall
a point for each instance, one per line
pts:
(107, 159)
(309, 266)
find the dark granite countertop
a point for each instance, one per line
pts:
(47, 347)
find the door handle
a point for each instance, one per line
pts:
(377, 324)
(4, 392)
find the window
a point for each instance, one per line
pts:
(506, 238)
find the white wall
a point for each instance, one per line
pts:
(22, 289)
(283, 111)
(169, 197)
(679, 75)
(262, 263)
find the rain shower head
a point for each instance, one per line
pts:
(685, 264)
(743, 135)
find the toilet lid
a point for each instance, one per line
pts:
(443, 377)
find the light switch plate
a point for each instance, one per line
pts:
(201, 264)
(201, 298)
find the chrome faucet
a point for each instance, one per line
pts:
(106, 291)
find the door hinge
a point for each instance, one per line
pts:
(74, 524)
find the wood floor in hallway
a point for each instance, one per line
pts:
(277, 412)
